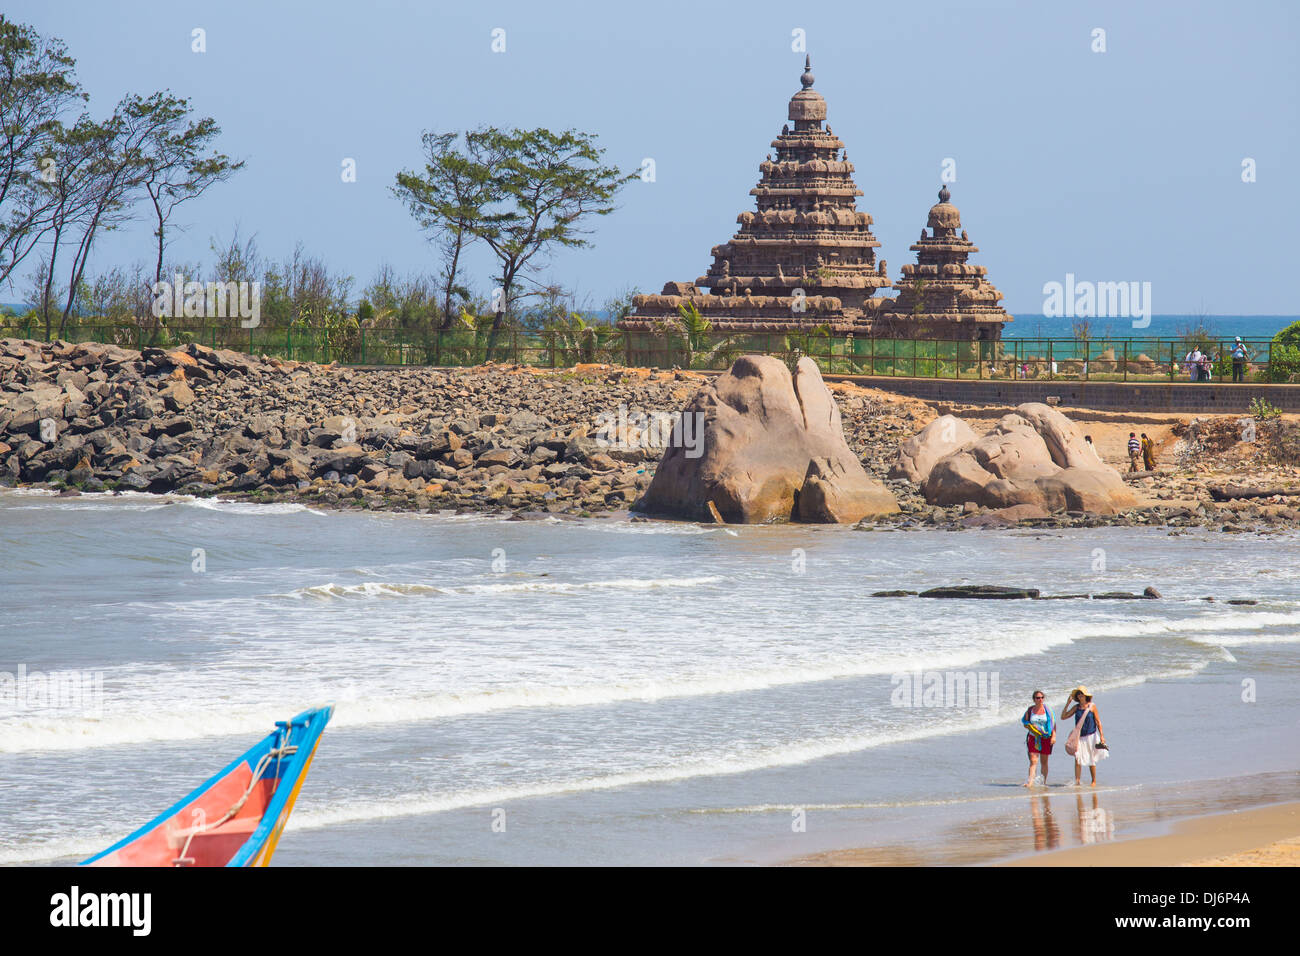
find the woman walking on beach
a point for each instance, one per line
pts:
(1148, 453)
(1091, 745)
(1042, 734)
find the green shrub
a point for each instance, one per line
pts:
(1290, 336)
(1284, 358)
(1284, 362)
(1263, 410)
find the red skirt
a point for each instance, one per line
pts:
(1039, 745)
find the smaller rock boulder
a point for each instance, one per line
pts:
(941, 437)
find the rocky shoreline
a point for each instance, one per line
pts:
(493, 439)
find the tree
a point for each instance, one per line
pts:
(543, 186)
(37, 88)
(70, 197)
(176, 164)
(448, 200)
(97, 195)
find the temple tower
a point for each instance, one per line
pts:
(805, 257)
(943, 296)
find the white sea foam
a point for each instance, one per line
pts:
(251, 507)
(1246, 639)
(709, 765)
(1215, 623)
(1017, 795)
(144, 501)
(22, 735)
(78, 847)
(370, 589)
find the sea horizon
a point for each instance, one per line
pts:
(1034, 325)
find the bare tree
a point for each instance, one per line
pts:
(37, 89)
(177, 165)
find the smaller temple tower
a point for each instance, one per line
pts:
(943, 296)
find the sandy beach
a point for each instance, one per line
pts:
(1187, 795)
(1266, 836)
(1262, 836)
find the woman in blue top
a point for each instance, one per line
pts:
(1092, 739)
(1042, 734)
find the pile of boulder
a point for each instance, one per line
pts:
(196, 420)
(1035, 462)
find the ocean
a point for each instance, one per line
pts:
(1030, 325)
(1035, 326)
(606, 691)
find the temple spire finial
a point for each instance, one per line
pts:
(807, 78)
(944, 194)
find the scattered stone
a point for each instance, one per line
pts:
(981, 591)
(255, 427)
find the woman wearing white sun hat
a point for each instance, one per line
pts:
(1088, 738)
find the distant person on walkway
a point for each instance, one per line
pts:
(1134, 450)
(1239, 355)
(1092, 739)
(1148, 453)
(1191, 364)
(1042, 734)
(1207, 365)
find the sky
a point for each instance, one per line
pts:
(1122, 165)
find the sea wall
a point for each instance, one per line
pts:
(1183, 398)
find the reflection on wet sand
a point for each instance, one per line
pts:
(1047, 835)
(1095, 823)
(997, 829)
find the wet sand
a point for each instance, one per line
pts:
(1266, 836)
(1150, 788)
(1078, 829)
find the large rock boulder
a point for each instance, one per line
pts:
(936, 440)
(1034, 456)
(771, 448)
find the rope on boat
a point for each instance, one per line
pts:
(278, 753)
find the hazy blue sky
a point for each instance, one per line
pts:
(1123, 165)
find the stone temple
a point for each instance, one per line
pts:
(943, 296)
(806, 258)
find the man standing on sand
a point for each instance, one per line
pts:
(1148, 453)
(1134, 449)
(1239, 355)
